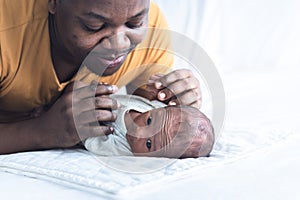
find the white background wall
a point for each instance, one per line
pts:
(256, 48)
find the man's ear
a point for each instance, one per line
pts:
(52, 5)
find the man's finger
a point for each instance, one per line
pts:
(172, 77)
(189, 97)
(105, 116)
(93, 103)
(177, 88)
(82, 90)
(106, 103)
(95, 116)
(165, 94)
(105, 90)
(197, 104)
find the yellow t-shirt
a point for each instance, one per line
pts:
(27, 76)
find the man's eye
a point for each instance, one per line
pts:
(149, 144)
(134, 25)
(94, 29)
(149, 120)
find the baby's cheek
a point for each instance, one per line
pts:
(137, 145)
(129, 139)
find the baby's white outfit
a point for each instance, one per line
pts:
(116, 144)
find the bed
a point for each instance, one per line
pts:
(255, 48)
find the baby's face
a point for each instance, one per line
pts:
(150, 131)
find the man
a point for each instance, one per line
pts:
(42, 47)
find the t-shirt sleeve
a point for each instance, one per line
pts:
(2, 71)
(1, 67)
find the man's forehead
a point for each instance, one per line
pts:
(110, 8)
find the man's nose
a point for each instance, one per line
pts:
(117, 42)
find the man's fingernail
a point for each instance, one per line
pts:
(162, 95)
(118, 105)
(112, 130)
(103, 83)
(172, 103)
(93, 88)
(93, 85)
(158, 85)
(112, 88)
(150, 81)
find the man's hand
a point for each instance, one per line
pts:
(78, 114)
(178, 87)
(75, 116)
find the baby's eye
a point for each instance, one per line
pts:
(149, 120)
(149, 144)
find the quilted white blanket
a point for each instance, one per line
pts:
(110, 176)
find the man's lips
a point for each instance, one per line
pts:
(111, 58)
(111, 61)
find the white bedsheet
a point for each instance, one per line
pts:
(114, 176)
(255, 45)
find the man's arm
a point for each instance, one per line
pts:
(65, 124)
(23, 136)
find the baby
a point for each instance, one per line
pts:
(150, 128)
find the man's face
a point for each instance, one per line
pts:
(153, 130)
(109, 29)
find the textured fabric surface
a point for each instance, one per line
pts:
(112, 175)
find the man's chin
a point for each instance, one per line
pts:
(110, 70)
(105, 71)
